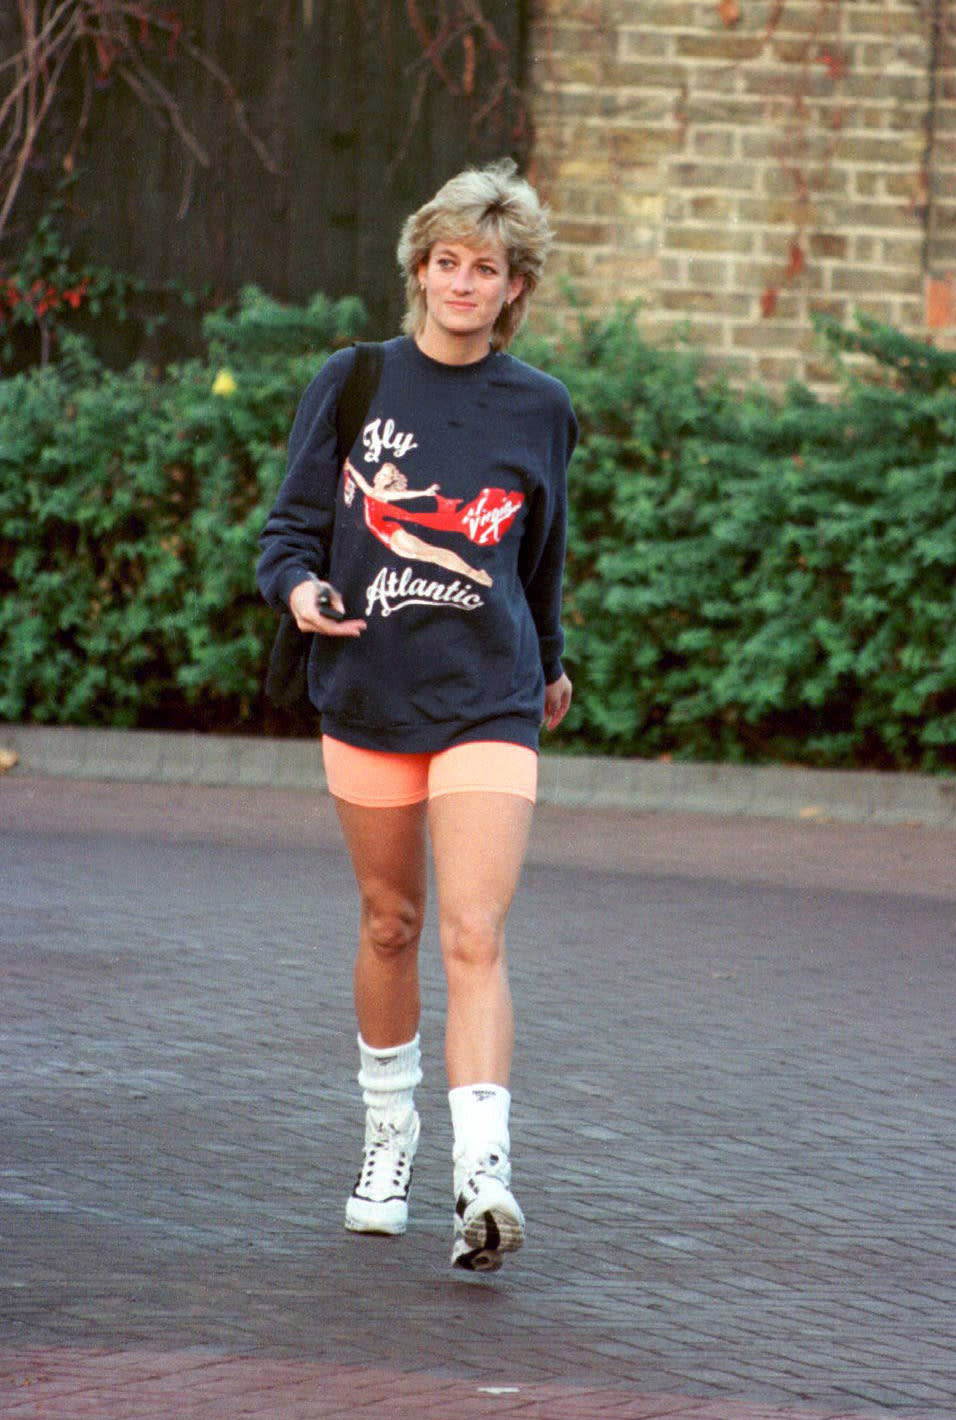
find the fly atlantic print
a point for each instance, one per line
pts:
(400, 518)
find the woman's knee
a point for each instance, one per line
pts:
(392, 925)
(472, 940)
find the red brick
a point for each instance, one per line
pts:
(940, 302)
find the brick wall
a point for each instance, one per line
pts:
(738, 164)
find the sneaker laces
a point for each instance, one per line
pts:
(386, 1161)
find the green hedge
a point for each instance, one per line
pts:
(760, 579)
(749, 578)
(130, 508)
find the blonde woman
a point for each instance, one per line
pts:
(434, 684)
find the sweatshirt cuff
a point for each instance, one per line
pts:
(553, 670)
(288, 579)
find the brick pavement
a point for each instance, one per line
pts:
(734, 1111)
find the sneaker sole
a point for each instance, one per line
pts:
(478, 1260)
(485, 1239)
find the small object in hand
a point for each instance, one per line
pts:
(323, 597)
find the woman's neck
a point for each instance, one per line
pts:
(453, 349)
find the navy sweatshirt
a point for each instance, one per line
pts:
(445, 531)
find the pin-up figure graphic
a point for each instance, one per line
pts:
(483, 521)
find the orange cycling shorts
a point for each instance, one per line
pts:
(380, 779)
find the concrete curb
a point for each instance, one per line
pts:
(634, 785)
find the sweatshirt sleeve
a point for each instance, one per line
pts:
(297, 535)
(541, 563)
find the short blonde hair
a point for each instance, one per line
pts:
(478, 206)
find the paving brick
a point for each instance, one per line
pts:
(733, 1124)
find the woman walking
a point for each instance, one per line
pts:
(440, 542)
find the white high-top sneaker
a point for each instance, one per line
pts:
(488, 1221)
(379, 1200)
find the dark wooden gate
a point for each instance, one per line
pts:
(363, 106)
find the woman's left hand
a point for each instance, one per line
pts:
(557, 702)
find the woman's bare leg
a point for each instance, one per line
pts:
(407, 544)
(388, 850)
(478, 843)
(388, 856)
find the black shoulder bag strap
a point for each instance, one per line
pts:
(357, 394)
(286, 678)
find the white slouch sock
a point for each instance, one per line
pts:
(388, 1077)
(479, 1117)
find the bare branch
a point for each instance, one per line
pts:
(238, 107)
(152, 94)
(113, 36)
(471, 28)
(32, 121)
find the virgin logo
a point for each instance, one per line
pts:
(489, 517)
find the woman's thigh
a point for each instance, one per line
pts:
(479, 830)
(479, 840)
(388, 851)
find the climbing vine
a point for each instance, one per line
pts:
(812, 117)
(445, 74)
(808, 118)
(126, 41)
(110, 40)
(463, 50)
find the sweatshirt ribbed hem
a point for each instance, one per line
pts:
(432, 738)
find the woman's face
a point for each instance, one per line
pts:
(465, 288)
(389, 478)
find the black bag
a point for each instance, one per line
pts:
(287, 677)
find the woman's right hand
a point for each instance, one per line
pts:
(304, 606)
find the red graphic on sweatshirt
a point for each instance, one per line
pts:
(484, 521)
